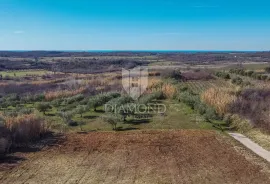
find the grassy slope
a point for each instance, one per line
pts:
(177, 116)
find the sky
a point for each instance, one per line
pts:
(134, 25)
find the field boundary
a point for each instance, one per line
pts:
(251, 145)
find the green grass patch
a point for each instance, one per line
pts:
(23, 73)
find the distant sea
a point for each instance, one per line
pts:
(146, 51)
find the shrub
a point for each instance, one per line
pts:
(43, 107)
(259, 77)
(246, 83)
(239, 71)
(223, 75)
(267, 69)
(237, 81)
(72, 123)
(66, 116)
(182, 88)
(210, 113)
(201, 108)
(195, 103)
(81, 109)
(189, 99)
(24, 111)
(112, 119)
(117, 102)
(75, 98)
(240, 124)
(126, 110)
(32, 98)
(101, 99)
(25, 128)
(11, 113)
(250, 73)
(56, 102)
(174, 74)
(145, 99)
(5, 139)
(264, 77)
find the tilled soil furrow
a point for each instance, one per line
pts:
(184, 156)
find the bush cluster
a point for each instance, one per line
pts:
(116, 102)
(173, 74)
(223, 75)
(250, 73)
(26, 128)
(18, 111)
(237, 81)
(73, 99)
(15, 99)
(102, 99)
(193, 101)
(145, 99)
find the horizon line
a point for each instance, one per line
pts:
(133, 50)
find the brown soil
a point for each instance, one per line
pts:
(184, 156)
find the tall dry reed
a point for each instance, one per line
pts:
(25, 128)
(219, 98)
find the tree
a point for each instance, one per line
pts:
(36, 60)
(126, 110)
(112, 119)
(95, 102)
(43, 107)
(102, 99)
(81, 109)
(66, 116)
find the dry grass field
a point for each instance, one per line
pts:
(184, 156)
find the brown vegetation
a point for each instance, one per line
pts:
(219, 98)
(51, 95)
(197, 75)
(25, 128)
(253, 104)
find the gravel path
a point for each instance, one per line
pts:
(251, 145)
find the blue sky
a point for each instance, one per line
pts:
(134, 25)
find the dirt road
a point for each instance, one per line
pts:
(184, 156)
(251, 145)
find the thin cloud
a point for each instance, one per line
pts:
(18, 32)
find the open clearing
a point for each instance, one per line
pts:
(184, 156)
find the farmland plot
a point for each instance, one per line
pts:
(186, 156)
(200, 86)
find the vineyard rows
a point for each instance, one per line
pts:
(200, 86)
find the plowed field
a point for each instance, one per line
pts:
(184, 156)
